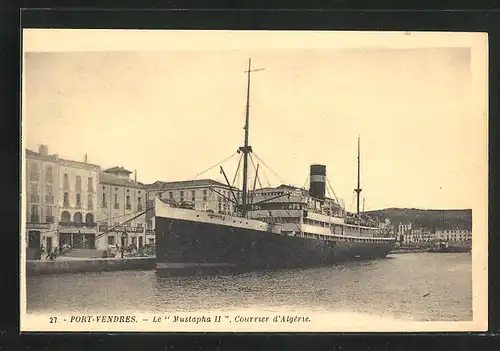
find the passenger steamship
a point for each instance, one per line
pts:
(277, 227)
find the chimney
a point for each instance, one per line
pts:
(135, 175)
(85, 158)
(43, 150)
(317, 186)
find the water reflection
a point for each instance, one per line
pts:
(409, 286)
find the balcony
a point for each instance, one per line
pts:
(49, 219)
(117, 206)
(37, 225)
(78, 224)
(104, 205)
(139, 207)
(150, 232)
(128, 206)
(120, 228)
(103, 227)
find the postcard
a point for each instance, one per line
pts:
(254, 181)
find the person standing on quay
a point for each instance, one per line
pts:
(49, 253)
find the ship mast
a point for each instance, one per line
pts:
(358, 189)
(246, 149)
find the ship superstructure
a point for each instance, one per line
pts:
(272, 227)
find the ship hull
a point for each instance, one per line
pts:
(184, 246)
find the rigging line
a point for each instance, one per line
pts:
(97, 222)
(255, 179)
(108, 231)
(305, 182)
(253, 163)
(332, 190)
(212, 167)
(164, 186)
(237, 170)
(277, 176)
(115, 217)
(265, 177)
(352, 201)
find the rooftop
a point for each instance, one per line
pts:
(120, 169)
(55, 158)
(186, 184)
(106, 178)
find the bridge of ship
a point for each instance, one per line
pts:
(288, 211)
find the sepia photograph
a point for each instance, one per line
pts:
(254, 181)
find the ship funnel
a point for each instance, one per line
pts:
(317, 178)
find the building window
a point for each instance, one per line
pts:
(220, 207)
(117, 205)
(90, 202)
(66, 181)
(151, 241)
(170, 195)
(205, 195)
(182, 196)
(65, 217)
(34, 215)
(77, 217)
(128, 206)
(65, 200)
(78, 201)
(104, 204)
(49, 218)
(89, 218)
(90, 185)
(111, 240)
(34, 174)
(34, 193)
(48, 174)
(193, 195)
(49, 198)
(78, 184)
(139, 204)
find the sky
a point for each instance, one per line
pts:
(171, 114)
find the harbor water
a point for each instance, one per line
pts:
(413, 286)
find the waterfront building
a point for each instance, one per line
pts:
(202, 194)
(453, 235)
(41, 209)
(120, 200)
(403, 231)
(60, 202)
(386, 224)
(418, 236)
(77, 201)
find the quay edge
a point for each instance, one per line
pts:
(34, 268)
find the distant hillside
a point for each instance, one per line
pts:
(431, 219)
